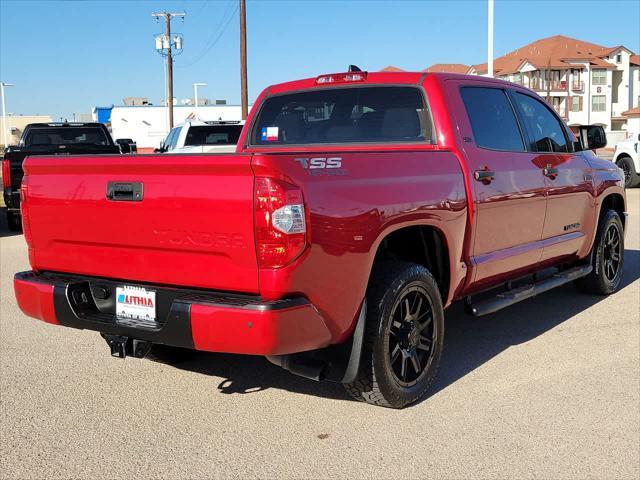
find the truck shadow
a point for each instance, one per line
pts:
(469, 343)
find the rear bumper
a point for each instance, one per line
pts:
(11, 199)
(207, 321)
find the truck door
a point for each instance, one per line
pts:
(570, 211)
(508, 186)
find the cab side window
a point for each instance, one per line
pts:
(167, 140)
(173, 138)
(545, 131)
(492, 118)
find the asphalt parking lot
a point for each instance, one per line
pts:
(549, 388)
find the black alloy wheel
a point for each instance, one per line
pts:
(612, 255)
(411, 335)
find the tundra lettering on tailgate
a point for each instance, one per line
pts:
(200, 239)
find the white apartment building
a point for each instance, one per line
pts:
(586, 84)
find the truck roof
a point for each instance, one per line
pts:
(66, 124)
(394, 78)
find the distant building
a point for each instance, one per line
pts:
(587, 84)
(14, 125)
(448, 68)
(135, 101)
(102, 114)
(148, 125)
(584, 82)
(633, 120)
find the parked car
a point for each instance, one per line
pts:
(357, 208)
(627, 158)
(127, 145)
(49, 139)
(202, 137)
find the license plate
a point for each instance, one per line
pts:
(135, 303)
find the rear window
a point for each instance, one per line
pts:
(65, 136)
(213, 135)
(344, 115)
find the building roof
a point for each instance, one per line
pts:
(391, 68)
(634, 112)
(552, 52)
(448, 68)
(635, 60)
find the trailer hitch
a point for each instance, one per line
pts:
(122, 346)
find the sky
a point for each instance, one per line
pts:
(69, 56)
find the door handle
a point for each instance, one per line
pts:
(484, 176)
(124, 191)
(550, 172)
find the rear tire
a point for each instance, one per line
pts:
(14, 222)
(631, 178)
(607, 257)
(403, 336)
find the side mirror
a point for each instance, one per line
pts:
(592, 137)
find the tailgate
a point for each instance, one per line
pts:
(191, 226)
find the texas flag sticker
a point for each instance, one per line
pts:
(269, 134)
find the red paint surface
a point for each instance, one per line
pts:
(194, 226)
(492, 232)
(272, 332)
(35, 300)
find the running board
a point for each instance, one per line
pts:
(516, 295)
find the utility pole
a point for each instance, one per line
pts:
(490, 39)
(166, 43)
(4, 112)
(243, 59)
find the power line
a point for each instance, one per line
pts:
(224, 25)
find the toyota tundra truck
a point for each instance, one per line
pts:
(357, 207)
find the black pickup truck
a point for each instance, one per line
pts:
(50, 139)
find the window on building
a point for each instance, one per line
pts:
(576, 104)
(598, 103)
(492, 119)
(618, 58)
(543, 127)
(517, 78)
(599, 76)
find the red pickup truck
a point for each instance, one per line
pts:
(357, 207)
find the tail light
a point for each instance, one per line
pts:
(280, 224)
(6, 173)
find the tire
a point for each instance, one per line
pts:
(607, 257)
(14, 222)
(405, 325)
(631, 178)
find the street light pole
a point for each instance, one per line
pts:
(4, 112)
(490, 39)
(195, 95)
(243, 60)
